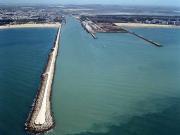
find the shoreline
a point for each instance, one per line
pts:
(142, 25)
(40, 118)
(30, 25)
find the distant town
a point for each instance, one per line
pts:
(146, 19)
(50, 14)
(21, 15)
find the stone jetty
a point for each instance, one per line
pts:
(40, 118)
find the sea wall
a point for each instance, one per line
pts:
(40, 118)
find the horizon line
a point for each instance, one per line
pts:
(77, 4)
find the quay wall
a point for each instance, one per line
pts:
(88, 28)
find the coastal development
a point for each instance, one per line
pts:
(89, 28)
(24, 15)
(94, 20)
(40, 118)
(136, 19)
(93, 27)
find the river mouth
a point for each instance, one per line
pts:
(114, 79)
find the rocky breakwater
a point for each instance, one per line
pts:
(40, 118)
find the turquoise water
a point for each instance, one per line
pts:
(115, 85)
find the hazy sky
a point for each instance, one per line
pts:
(119, 2)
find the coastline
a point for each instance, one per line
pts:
(31, 25)
(141, 25)
(40, 118)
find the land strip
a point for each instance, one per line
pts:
(93, 26)
(40, 118)
(141, 25)
(31, 25)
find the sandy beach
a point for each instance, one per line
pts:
(141, 25)
(31, 25)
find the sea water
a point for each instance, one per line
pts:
(117, 84)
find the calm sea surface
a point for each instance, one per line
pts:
(115, 85)
(23, 55)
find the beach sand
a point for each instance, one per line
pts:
(31, 25)
(141, 25)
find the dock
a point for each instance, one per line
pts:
(88, 27)
(40, 118)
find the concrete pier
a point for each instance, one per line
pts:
(40, 118)
(87, 26)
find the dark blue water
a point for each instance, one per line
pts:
(23, 54)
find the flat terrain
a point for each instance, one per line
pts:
(141, 25)
(31, 25)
